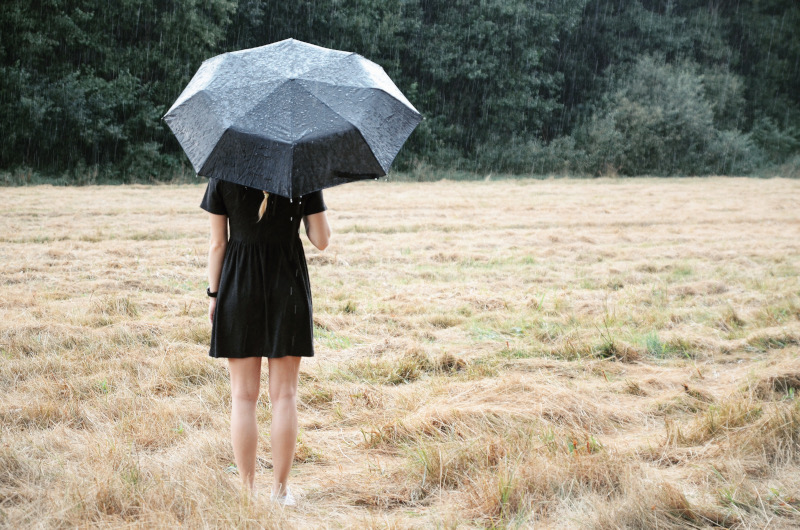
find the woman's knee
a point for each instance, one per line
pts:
(283, 393)
(245, 379)
(245, 392)
(283, 376)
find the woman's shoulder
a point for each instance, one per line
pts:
(226, 188)
(218, 183)
(313, 203)
(312, 195)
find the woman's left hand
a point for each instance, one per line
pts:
(212, 305)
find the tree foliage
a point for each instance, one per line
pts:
(646, 86)
(660, 120)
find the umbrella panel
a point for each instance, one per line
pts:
(250, 160)
(383, 121)
(196, 129)
(322, 161)
(292, 144)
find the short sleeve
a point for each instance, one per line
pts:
(212, 200)
(313, 203)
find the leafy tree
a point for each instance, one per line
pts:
(87, 81)
(480, 69)
(658, 120)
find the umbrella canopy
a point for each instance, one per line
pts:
(291, 118)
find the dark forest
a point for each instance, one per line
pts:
(583, 87)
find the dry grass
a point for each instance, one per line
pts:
(604, 354)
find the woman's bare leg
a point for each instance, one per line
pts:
(245, 382)
(283, 376)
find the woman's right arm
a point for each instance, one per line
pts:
(317, 229)
(216, 253)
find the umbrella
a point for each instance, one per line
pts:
(291, 118)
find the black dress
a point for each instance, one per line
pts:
(264, 301)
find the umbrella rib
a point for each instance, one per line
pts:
(243, 112)
(356, 127)
(337, 85)
(326, 65)
(391, 87)
(332, 110)
(291, 135)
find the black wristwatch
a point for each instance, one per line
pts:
(209, 293)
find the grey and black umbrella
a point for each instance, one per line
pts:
(291, 118)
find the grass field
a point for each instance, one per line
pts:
(553, 353)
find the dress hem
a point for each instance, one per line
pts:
(262, 356)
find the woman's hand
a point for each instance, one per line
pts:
(212, 305)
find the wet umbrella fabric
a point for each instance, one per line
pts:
(291, 118)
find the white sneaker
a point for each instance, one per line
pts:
(287, 499)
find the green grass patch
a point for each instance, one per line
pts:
(483, 334)
(399, 370)
(765, 342)
(516, 352)
(157, 235)
(681, 272)
(331, 339)
(654, 346)
(658, 348)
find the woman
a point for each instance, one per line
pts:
(260, 306)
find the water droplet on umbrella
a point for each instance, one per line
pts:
(291, 218)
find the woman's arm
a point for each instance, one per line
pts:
(317, 229)
(218, 242)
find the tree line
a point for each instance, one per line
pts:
(662, 87)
